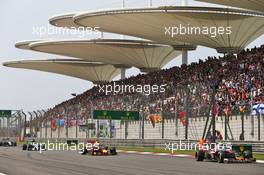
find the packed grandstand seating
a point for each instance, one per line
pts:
(242, 85)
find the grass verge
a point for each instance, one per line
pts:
(154, 150)
(258, 156)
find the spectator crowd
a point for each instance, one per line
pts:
(189, 87)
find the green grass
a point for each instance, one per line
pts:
(21, 143)
(258, 156)
(154, 150)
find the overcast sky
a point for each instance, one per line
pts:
(32, 90)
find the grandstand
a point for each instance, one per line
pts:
(239, 73)
(124, 102)
(242, 85)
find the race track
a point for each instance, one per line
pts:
(14, 161)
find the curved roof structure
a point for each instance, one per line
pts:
(257, 5)
(25, 44)
(64, 20)
(95, 72)
(150, 23)
(145, 55)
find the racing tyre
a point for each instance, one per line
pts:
(113, 151)
(199, 156)
(207, 156)
(85, 151)
(43, 147)
(24, 147)
(94, 153)
(248, 154)
(220, 157)
(31, 147)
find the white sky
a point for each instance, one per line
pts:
(33, 90)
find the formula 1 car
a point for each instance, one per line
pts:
(8, 143)
(95, 148)
(32, 145)
(237, 153)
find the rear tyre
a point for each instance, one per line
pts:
(113, 151)
(220, 157)
(199, 155)
(85, 151)
(207, 156)
(248, 154)
(24, 147)
(43, 147)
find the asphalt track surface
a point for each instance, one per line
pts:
(14, 161)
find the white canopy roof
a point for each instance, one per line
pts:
(246, 4)
(144, 55)
(150, 24)
(64, 20)
(95, 72)
(25, 44)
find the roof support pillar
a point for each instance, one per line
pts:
(123, 73)
(124, 3)
(102, 35)
(184, 56)
(150, 3)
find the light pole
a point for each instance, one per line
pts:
(40, 122)
(30, 123)
(163, 119)
(176, 112)
(46, 123)
(76, 115)
(36, 123)
(25, 124)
